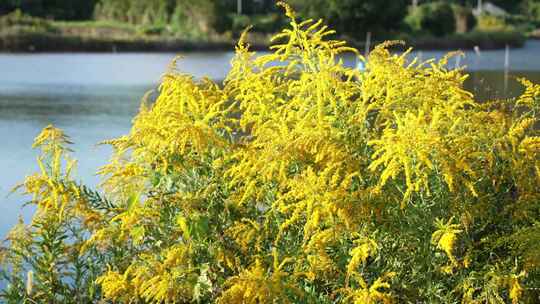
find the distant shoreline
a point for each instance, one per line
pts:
(51, 43)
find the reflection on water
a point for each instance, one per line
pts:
(54, 102)
(94, 97)
(88, 114)
(105, 69)
(522, 59)
(490, 85)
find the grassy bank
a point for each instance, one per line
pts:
(38, 42)
(53, 42)
(20, 33)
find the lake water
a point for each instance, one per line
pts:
(94, 97)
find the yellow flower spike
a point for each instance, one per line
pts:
(371, 294)
(365, 248)
(52, 139)
(289, 12)
(445, 238)
(516, 289)
(114, 285)
(531, 96)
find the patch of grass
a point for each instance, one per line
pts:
(17, 22)
(95, 24)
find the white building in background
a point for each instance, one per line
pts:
(490, 9)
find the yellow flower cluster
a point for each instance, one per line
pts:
(300, 155)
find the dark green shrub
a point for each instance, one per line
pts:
(353, 18)
(436, 18)
(239, 22)
(267, 23)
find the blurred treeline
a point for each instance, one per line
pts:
(351, 17)
(52, 9)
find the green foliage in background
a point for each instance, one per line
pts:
(355, 18)
(54, 9)
(436, 18)
(202, 19)
(188, 18)
(532, 10)
(17, 23)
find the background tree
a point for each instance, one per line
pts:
(55, 9)
(355, 18)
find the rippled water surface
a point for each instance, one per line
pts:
(94, 97)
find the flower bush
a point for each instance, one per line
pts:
(298, 180)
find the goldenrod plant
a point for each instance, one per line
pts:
(297, 180)
(44, 262)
